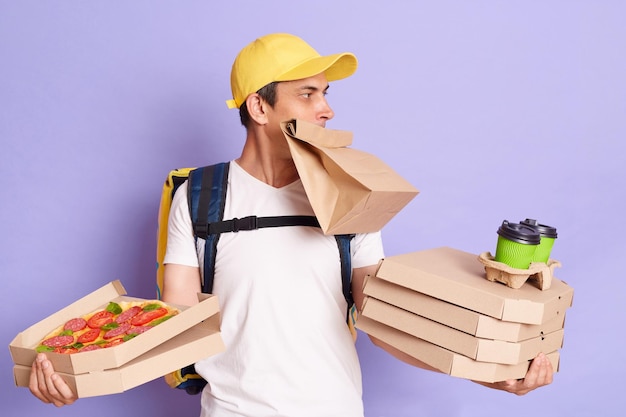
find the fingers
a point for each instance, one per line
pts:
(539, 373)
(64, 395)
(48, 386)
(36, 383)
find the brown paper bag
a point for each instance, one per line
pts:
(350, 191)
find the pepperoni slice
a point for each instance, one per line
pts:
(147, 316)
(100, 319)
(90, 347)
(128, 314)
(58, 341)
(138, 329)
(89, 336)
(118, 331)
(75, 325)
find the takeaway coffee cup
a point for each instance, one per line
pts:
(547, 235)
(517, 244)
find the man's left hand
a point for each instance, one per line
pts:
(539, 373)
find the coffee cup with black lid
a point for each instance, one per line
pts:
(547, 236)
(516, 245)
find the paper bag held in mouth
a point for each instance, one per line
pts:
(350, 191)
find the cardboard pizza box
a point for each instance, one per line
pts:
(482, 350)
(23, 346)
(445, 360)
(198, 342)
(457, 317)
(459, 278)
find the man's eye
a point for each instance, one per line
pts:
(306, 95)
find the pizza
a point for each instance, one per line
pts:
(106, 327)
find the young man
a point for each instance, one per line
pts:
(289, 350)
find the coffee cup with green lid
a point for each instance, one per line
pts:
(547, 236)
(517, 244)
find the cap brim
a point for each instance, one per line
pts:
(336, 67)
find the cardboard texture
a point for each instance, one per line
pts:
(483, 350)
(457, 317)
(539, 272)
(458, 277)
(445, 360)
(197, 323)
(197, 343)
(350, 191)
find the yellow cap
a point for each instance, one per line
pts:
(282, 57)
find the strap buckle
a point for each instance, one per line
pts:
(245, 223)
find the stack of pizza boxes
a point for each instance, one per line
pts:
(437, 306)
(188, 336)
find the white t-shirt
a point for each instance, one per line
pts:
(288, 348)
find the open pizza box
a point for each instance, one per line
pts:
(198, 342)
(187, 337)
(446, 361)
(458, 278)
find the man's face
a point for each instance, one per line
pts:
(303, 99)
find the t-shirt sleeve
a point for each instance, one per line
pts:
(181, 246)
(367, 249)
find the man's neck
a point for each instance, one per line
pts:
(273, 168)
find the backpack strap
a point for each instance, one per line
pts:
(343, 242)
(254, 222)
(207, 198)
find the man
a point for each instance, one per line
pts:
(289, 350)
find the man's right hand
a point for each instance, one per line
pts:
(48, 386)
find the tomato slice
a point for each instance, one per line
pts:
(100, 319)
(147, 316)
(89, 336)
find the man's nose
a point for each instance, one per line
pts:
(326, 111)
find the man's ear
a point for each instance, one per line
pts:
(257, 108)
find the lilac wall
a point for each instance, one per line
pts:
(492, 109)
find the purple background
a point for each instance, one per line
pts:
(493, 109)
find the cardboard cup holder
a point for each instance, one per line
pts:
(538, 273)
